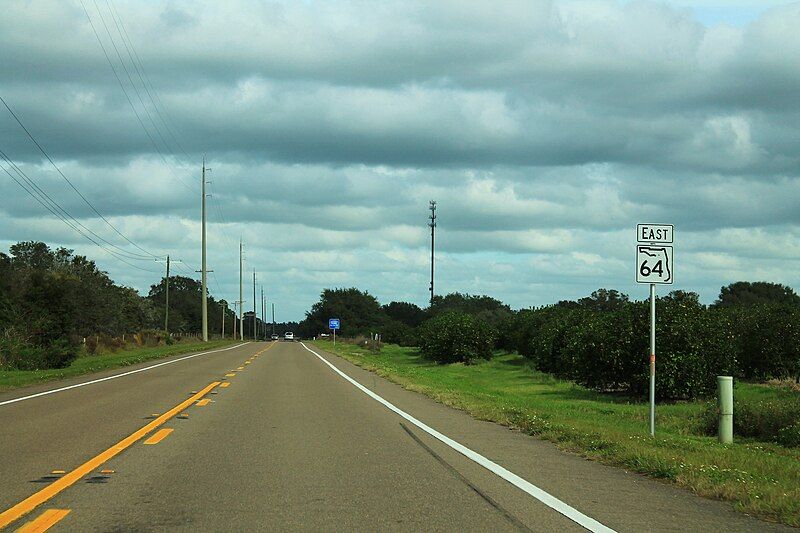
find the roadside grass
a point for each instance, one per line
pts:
(86, 364)
(759, 478)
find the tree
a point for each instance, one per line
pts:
(185, 311)
(456, 337)
(405, 312)
(745, 293)
(35, 255)
(359, 312)
(486, 308)
(604, 300)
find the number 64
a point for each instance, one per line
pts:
(645, 270)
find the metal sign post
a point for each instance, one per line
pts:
(652, 359)
(654, 265)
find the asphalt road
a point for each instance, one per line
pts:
(290, 444)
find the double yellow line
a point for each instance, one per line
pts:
(30, 503)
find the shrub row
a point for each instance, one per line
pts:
(456, 337)
(609, 350)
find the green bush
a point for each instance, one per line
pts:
(693, 346)
(764, 419)
(526, 329)
(771, 420)
(18, 353)
(454, 336)
(396, 332)
(790, 435)
(768, 340)
(507, 336)
(608, 349)
(550, 345)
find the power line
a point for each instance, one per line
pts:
(220, 214)
(74, 188)
(55, 208)
(138, 67)
(125, 92)
(216, 282)
(48, 203)
(125, 68)
(144, 78)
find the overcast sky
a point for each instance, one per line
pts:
(545, 130)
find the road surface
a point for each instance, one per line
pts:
(285, 442)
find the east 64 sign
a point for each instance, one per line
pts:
(654, 263)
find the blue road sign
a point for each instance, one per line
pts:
(333, 323)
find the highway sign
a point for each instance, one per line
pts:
(333, 323)
(654, 264)
(657, 233)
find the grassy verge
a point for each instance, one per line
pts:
(12, 379)
(760, 478)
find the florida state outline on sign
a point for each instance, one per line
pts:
(654, 264)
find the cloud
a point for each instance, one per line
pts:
(545, 130)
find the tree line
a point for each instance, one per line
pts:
(51, 300)
(601, 341)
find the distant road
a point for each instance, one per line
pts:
(275, 438)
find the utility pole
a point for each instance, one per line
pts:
(254, 305)
(204, 287)
(273, 318)
(432, 225)
(166, 298)
(264, 316)
(234, 319)
(166, 293)
(241, 301)
(262, 313)
(166, 304)
(224, 308)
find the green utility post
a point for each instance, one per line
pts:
(725, 402)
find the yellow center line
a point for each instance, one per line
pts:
(31, 502)
(229, 375)
(44, 521)
(223, 385)
(203, 402)
(158, 436)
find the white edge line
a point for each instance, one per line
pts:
(115, 376)
(549, 500)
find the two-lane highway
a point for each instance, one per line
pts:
(281, 437)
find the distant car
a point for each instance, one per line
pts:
(275, 336)
(288, 336)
